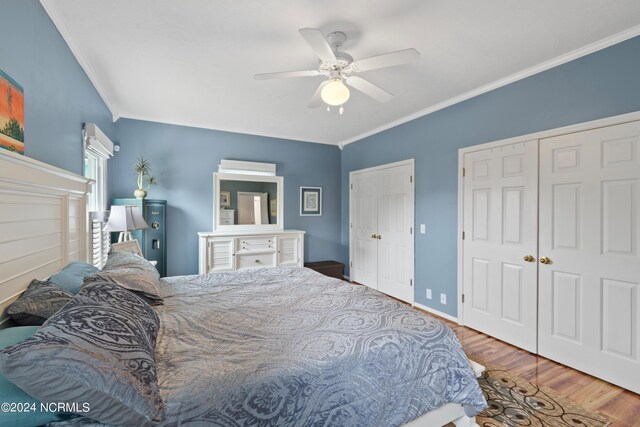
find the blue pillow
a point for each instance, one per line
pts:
(72, 276)
(11, 393)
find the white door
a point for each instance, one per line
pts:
(395, 228)
(381, 208)
(590, 233)
(364, 223)
(500, 242)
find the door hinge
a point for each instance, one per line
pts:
(463, 298)
(463, 235)
(464, 171)
(352, 186)
(410, 230)
(410, 282)
(411, 178)
(350, 263)
(351, 224)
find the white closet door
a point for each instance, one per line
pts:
(395, 240)
(590, 231)
(364, 221)
(500, 224)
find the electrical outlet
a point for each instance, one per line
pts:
(428, 293)
(423, 228)
(443, 299)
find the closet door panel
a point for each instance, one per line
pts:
(500, 224)
(364, 222)
(395, 220)
(589, 295)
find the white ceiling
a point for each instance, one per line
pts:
(192, 62)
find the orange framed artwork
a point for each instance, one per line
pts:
(11, 114)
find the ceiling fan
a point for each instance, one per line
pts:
(338, 67)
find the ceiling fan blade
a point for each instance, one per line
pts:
(390, 59)
(369, 89)
(318, 43)
(316, 99)
(287, 74)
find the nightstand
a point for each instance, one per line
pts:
(328, 268)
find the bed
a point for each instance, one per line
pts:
(279, 346)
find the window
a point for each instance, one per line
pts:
(97, 151)
(95, 168)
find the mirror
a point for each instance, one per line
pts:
(247, 202)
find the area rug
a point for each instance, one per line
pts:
(514, 401)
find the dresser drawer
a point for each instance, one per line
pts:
(256, 244)
(248, 260)
(226, 221)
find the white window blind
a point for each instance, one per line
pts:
(100, 241)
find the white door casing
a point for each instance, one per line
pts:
(590, 231)
(500, 226)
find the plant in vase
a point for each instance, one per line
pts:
(145, 179)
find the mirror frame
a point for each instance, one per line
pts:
(278, 180)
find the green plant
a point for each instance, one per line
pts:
(143, 170)
(13, 129)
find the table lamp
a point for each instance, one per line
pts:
(125, 219)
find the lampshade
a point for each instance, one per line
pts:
(335, 92)
(125, 218)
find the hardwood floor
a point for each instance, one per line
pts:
(620, 405)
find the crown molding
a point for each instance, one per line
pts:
(57, 19)
(559, 60)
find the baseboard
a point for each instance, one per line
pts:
(436, 312)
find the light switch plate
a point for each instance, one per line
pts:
(428, 293)
(443, 299)
(423, 228)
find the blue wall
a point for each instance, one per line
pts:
(59, 97)
(605, 83)
(184, 160)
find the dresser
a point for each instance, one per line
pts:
(237, 250)
(227, 216)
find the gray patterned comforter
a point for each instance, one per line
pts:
(291, 347)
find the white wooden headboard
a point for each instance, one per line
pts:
(43, 222)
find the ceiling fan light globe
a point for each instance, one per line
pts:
(335, 92)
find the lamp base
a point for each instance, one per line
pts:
(125, 236)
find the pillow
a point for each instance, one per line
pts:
(72, 276)
(39, 301)
(131, 272)
(11, 393)
(99, 349)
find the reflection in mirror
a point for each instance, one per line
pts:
(249, 202)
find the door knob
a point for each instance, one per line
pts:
(379, 237)
(529, 258)
(373, 236)
(545, 260)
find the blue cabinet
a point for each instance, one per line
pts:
(152, 240)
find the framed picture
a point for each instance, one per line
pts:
(11, 114)
(310, 201)
(225, 199)
(274, 207)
